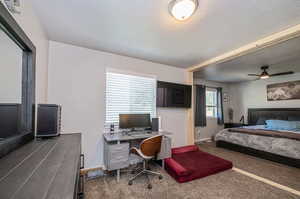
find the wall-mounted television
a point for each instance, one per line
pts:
(173, 95)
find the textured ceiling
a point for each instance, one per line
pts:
(281, 58)
(145, 30)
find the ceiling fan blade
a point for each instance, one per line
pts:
(284, 73)
(253, 75)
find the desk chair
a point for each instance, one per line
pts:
(148, 150)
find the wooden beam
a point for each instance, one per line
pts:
(85, 171)
(191, 124)
(271, 40)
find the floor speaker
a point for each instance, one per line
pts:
(155, 124)
(48, 120)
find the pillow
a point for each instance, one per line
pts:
(261, 121)
(185, 149)
(177, 168)
(297, 125)
(283, 125)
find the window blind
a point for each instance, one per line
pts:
(129, 94)
(211, 103)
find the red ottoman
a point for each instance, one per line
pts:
(189, 163)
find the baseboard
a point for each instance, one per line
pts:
(87, 170)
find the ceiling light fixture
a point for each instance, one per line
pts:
(266, 76)
(182, 9)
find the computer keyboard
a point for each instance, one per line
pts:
(141, 134)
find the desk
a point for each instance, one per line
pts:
(117, 146)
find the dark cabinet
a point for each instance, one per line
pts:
(173, 95)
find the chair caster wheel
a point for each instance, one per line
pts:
(149, 186)
(130, 183)
(160, 177)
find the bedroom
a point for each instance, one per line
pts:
(217, 94)
(252, 101)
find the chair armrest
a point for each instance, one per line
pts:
(134, 150)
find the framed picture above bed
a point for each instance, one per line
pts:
(283, 91)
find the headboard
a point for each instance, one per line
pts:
(261, 114)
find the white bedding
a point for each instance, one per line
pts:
(280, 146)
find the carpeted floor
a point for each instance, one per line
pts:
(225, 185)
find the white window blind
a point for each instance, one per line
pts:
(211, 103)
(129, 94)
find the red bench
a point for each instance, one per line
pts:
(189, 163)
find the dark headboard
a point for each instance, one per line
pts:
(262, 114)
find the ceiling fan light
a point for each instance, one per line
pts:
(182, 9)
(264, 77)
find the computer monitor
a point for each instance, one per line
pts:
(131, 121)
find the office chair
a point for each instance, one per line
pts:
(148, 150)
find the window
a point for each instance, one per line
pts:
(129, 94)
(211, 103)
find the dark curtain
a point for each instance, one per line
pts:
(220, 113)
(200, 112)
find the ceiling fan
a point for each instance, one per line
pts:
(266, 75)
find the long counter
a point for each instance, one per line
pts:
(43, 169)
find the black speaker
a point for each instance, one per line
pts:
(155, 124)
(10, 122)
(48, 120)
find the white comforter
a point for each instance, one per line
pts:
(280, 146)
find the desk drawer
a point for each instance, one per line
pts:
(117, 156)
(118, 163)
(118, 149)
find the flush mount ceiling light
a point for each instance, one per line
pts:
(182, 9)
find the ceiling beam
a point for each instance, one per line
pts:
(271, 40)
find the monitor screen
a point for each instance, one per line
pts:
(127, 121)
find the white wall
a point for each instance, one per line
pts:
(10, 70)
(77, 81)
(253, 94)
(32, 27)
(212, 126)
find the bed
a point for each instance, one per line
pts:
(283, 146)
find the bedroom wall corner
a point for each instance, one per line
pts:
(253, 94)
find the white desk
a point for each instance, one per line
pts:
(117, 146)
